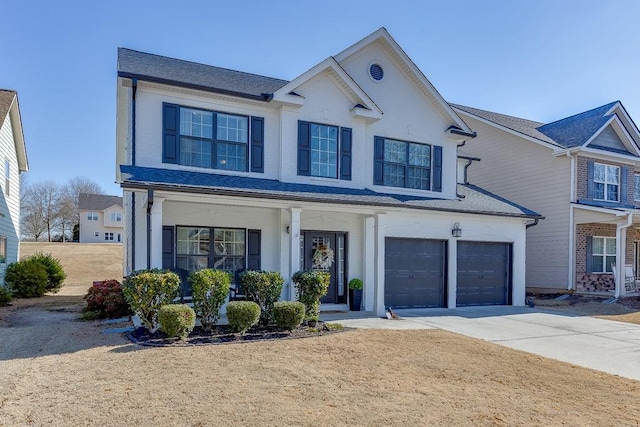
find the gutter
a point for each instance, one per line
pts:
(533, 224)
(149, 206)
(457, 131)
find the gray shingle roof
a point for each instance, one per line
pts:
(6, 99)
(476, 200)
(162, 69)
(97, 202)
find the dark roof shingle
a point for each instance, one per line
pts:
(97, 202)
(6, 99)
(162, 69)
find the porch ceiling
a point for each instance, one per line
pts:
(592, 214)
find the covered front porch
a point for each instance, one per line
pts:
(606, 250)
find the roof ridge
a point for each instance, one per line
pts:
(579, 114)
(202, 64)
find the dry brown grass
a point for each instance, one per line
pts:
(65, 372)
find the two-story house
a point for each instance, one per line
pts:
(101, 218)
(349, 168)
(13, 161)
(583, 174)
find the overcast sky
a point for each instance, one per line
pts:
(542, 60)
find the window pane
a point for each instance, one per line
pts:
(612, 192)
(229, 263)
(597, 264)
(611, 246)
(599, 172)
(598, 190)
(613, 174)
(324, 151)
(394, 175)
(420, 155)
(229, 242)
(636, 187)
(419, 178)
(192, 241)
(395, 151)
(195, 152)
(597, 245)
(196, 123)
(231, 156)
(232, 128)
(608, 262)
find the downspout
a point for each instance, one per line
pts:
(533, 224)
(149, 206)
(134, 87)
(133, 231)
(621, 255)
(572, 228)
(462, 196)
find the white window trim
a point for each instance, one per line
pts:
(604, 254)
(636, 181)
(606, 184)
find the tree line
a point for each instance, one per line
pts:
(50, 210)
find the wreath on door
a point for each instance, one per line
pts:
(322, 258)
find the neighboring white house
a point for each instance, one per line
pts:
(13, 161)
(583, 174)
(101, 218)
(350, 168)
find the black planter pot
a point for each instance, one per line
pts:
(355, 299)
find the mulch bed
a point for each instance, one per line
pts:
(632, 302)
(222, 335)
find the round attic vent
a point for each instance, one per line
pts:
(376, 72)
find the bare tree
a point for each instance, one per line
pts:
(41, 204)
(32, 214)
(69, 212)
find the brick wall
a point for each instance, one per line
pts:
(582, 178)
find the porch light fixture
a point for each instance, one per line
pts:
(456, 231)
(288, 231)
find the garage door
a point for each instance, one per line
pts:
(484, 273)
(414, 273)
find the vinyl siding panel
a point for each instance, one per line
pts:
(528, 174)
(9, 205)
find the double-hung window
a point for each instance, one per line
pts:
(606, 182)
(407, 164)
(636, 187)
(204, 247)
(603, 253)
(92, 216)
(324, 150)
(116, 217)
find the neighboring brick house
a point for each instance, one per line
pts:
(583, 174)
(13, 162)
(101, 218)
(350, 168)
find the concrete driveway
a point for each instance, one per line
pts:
(603, 345)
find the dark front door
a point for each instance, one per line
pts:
(321, 253)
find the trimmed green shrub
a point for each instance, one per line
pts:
(107, 300)
(148, 290)
(26, 278)
(355, 284)
(55, 272)
(242, 315)
(210, 289)
(263, 288)
(177, 320)
(311, 286)
(288, 314)
(5, 296)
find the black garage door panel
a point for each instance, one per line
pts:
(483, 273)
(414, 273)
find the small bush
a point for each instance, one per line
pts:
(5, 296)
(107, 300)
(242, 315)
(148, 290)
(177, 320)
(356, 284)
(26, 278)
(288, 314)
(263, 288)
(311, 286)
(210, 289)
(55, 272)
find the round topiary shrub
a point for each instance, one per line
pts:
(26, 278)
(177, 320)
(5, 296)
(242, 315)
(106, 299)
(55, 272)
(288, 314)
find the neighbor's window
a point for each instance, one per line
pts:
(97, 234)
(3, 249)
(116, 217)
(603, 251)
(196, 250)
(407, 164)
(213, 140)
(7, 177)
(108, 237)
(636, 187)
(92, 216)
(606, 182)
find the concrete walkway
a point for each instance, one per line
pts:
(603, 345)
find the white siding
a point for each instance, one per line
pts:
(88, 229)
(9, 205)
(528, 174)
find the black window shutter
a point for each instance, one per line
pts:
(590, 189)
(167, 248)
(624, 189)
(304, 148)
(170, 133)
(345, 153)
(590, 255)
(437, 168)
(257, 144)
(378, 160)
(253, 250)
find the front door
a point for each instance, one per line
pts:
(323, 251)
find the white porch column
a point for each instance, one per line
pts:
(156, 233)
(369, 263)
(621, 256)
(294, 247)
(452, 267)
(380, 232)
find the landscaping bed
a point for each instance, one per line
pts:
(223, 335)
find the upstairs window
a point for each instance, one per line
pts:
(324, 151)
(407, 164)
(116, 217)
(636, 187)
(92, 216)
(606, 182)
(209, 139)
